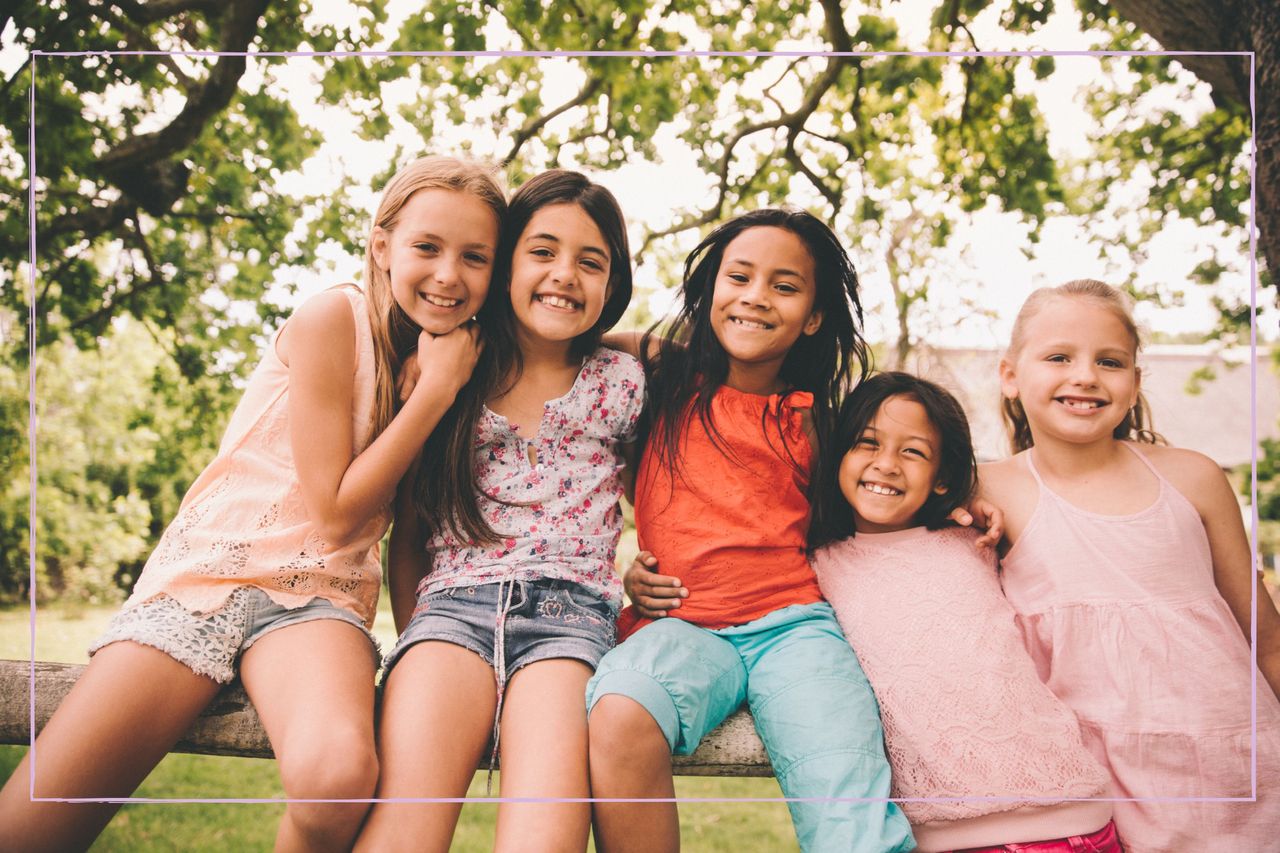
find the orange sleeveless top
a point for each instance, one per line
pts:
(732, 526)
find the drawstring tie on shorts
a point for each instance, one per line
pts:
(499, 670)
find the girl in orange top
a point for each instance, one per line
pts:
(270, 569)
(742, 387)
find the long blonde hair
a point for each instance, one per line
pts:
(1136, 425)
(393, 332)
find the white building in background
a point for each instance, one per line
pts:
(1213, 418)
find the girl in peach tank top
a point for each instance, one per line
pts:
(270, 570)
(1132, 580)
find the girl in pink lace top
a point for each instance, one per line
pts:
(270, 568)
(981, 751)
(1133, 582)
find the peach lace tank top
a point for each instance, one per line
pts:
(243, 522)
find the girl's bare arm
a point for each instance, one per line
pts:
(406, 556)
(1202, 482)
(318, 345)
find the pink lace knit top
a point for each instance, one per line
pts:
(243, 522)
(964, 713)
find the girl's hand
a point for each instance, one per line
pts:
(652, 594)
(988, 517)
(445, 362)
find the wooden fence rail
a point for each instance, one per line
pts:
(230, 726)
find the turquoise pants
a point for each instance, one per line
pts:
(812, 705)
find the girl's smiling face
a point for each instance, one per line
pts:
(439, 257)
(892, 468)
(1076, 375)
(763, 300)
(559, 274)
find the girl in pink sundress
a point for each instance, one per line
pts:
(1132, 578)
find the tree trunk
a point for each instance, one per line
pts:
(1233, 25)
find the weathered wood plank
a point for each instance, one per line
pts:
(230, 726)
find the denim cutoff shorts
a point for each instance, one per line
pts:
(544, 619)
(210, 643)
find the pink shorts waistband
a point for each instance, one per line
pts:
(1102, 841)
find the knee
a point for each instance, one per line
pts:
(342, 765)
(624, 734)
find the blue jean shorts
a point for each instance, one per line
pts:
(544, 619)
(211, 643)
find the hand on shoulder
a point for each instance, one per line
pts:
(1008, 484)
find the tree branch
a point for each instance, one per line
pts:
(91, 222)
(848, 146)
(900, 303)
(768, 90)
(516, 25)
(136, 39)
(158, 10)
(1204, 26)
(534, 124)
(792, 156)
(57, 271)
(238, 28)
(838, 36)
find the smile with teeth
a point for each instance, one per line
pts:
(441, 301)
(1080, 403)
(880, 489)
(750, 324)
(561, 302)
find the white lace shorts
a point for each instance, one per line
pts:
(211, 643)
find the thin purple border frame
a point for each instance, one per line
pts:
(1253, 372)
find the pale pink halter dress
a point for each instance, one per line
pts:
(1126, 626)
(243, 522)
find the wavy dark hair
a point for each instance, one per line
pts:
(686, 364)
(957, 467)
(444, 491)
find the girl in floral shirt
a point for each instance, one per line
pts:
(506, 612)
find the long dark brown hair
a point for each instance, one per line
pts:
(689, 364)
(445, 489)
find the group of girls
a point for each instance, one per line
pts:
(1095, 690)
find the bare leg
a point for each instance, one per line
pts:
(312, 684)
(630, 758)
(544, 754)
(437, 713)
(123, 715)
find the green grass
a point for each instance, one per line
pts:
(63, 634)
